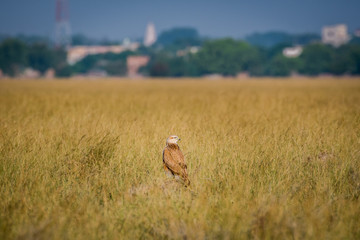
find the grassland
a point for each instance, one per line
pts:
(268, 159)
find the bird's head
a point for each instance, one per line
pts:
(173, 139)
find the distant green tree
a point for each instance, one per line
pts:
(64, 71)
(346, 60)
(228, 57)
(305, 38)
(12, 56)
(276, 50)
(41, 57)
(117, 56)
(177, 67)
(268, 39)
(149, 51)
(317, 59)
(182, 34)
(116, 68)
(80, 39)
(33, 39)
(86, 64)
(3, 37)
(113, 64)
(272, 38)
(282, 66)
(355, 55)
(183, 66)
(158, 67)
(60, 57)
(355, 40)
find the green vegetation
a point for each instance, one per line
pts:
(15, 55)
(113, 64)
(12, 56)
(181, 37)
(181, 52)
(271, 39)
(268, 159)
(80, 39)
(229, 57)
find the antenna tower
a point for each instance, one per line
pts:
(63, 30)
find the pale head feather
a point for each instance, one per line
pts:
(173, 139)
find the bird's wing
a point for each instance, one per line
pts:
(174, 160)
(180, 159)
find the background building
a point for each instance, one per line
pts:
(335, 35)
(150, 35)
(292, 52)
(134, 63)
(77, 53)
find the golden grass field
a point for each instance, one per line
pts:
(267, 159)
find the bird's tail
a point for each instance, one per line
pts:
(186, 181)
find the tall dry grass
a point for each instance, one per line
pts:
(268, 159)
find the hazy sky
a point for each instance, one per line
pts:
(116, 19)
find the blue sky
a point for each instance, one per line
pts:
(116, 19)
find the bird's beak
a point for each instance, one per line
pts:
(179, 139)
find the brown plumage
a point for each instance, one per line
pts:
(174, 161)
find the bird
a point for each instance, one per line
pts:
(174, 161)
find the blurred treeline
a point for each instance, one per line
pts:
(15, 55)
(182, 52)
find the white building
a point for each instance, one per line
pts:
(335, 35)
(150, 35)
(292, 52)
